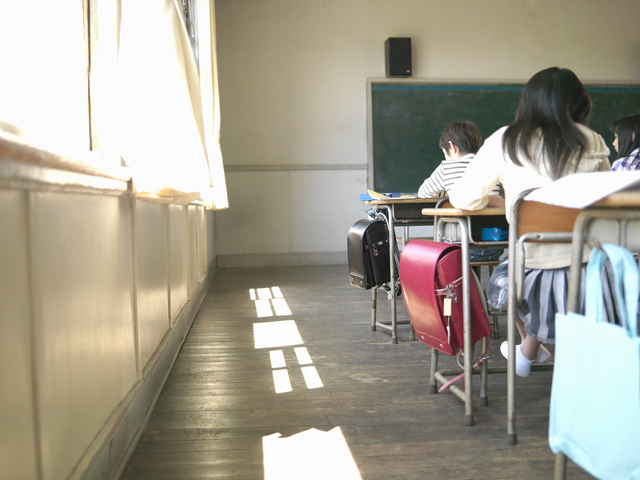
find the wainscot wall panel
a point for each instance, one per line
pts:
(201, 221)
(311, 189)
(178, 287)
(258, 218)
(18, 450)
(84, 345)
(192, 222)
(152, 276)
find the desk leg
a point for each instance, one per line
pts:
(466, 315)
(374, 308)
(392, 269)
(512, 439)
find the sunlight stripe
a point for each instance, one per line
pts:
(263, 308)
(280, 306)
(311, 377)
(282, 333)
(276, 292)
(303, 356)
(252, 293)
(264, 293)
(277, 359)
(281, 381)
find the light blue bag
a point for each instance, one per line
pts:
(595, 394)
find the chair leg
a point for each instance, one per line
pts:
(561, 467)
(433, 383)
(496, 328)
(494, 318)
(374, 307)
(484, 374)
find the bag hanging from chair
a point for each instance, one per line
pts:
(431, 274)
(594, 417)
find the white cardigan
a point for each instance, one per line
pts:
(492, 165)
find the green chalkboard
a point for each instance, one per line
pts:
(406, 122)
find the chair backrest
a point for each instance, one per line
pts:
(542, 217)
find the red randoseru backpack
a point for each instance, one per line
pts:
(430, 272)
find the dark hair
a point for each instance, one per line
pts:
(553, 102)
(463, 134)
(625, 128)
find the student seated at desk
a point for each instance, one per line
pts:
(459, 142)
(627, 143)
(548, 140)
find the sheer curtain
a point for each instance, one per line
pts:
(168, 112)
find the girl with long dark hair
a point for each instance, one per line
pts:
(626, 141)
(549, 139)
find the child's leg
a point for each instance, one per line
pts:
(520, 327)
(530, 347)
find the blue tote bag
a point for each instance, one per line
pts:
(595, 395)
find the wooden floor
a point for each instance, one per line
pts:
(219, 401)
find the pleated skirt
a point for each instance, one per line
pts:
(545, 294)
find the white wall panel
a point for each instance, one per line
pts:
(152, 276)
(211, 250)
(192, 245)
(318, 227)
(178, 258)
(258, 217)
(85, 364)
(17, 450)
(201, 225)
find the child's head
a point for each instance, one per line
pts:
(627, 135)
(459, 138)
(552, 104)
(554, 95)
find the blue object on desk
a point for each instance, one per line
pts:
(495, 234)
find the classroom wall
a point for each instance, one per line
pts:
(293, 99)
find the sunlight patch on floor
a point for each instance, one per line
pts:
(303, 355)
(281, 307)
(310, 455)
(277, 359)
(263, 308)
(281, 381)
(283, 333)
(311, 377)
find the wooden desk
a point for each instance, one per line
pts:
(463, 219)
(404, 212)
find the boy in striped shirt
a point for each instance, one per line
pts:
(460, 141)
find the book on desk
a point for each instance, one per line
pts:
(371, 195)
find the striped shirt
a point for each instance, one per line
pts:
(445, 175)
(632, 162)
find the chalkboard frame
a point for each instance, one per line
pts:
(611, 97)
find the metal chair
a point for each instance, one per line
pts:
(620, 226)
(530, 222)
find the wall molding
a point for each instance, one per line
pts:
(282, 259)
(291, 167)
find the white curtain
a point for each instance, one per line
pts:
(168, 113)
(211, 99)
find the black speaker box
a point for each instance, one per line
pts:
(397, 57)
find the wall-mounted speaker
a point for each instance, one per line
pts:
(397, 56)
